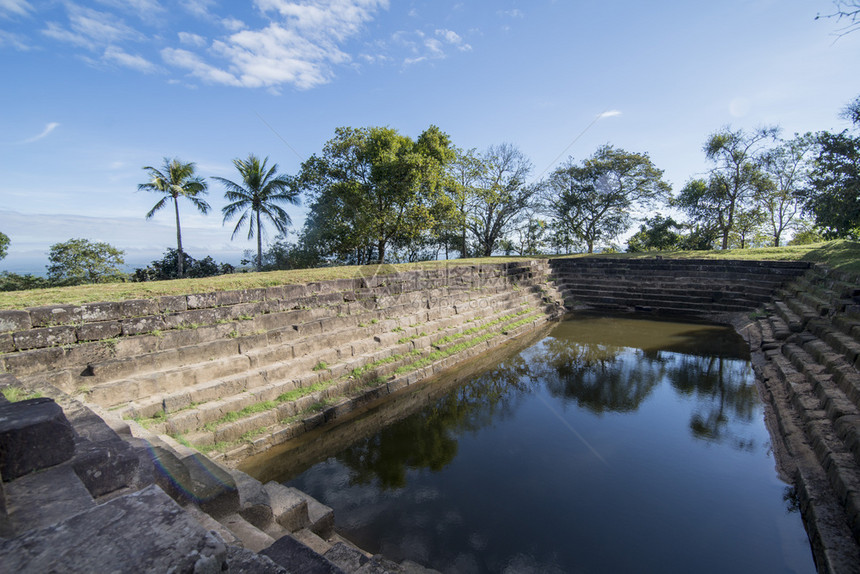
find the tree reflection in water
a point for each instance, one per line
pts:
(706, 363)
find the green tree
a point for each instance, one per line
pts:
(373, 188)
(4, 244)
(656, 234)
(833, 194)
(464, 173)
(594, 199)
(787, 166)
(733, 182)
(79, 261)
(176, 179)
(260, 195)
(500, 196)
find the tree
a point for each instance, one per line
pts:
(833, 194)
(176, 179)
(79, 261)
(787, 166)
(594, 200)
(499, 196)
(260, 195)
(165, 268)
(4, 244)
(847, 10)
(732, 183)
(464, 172)
(656, 234)
(372, 188)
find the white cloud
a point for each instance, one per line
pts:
(48, 129)
(15, 7)
(15, 41)
(118, 56)
(610, 114)
(91, 29)
(233, 24)
(515, 13)
(197, 67)
(192, 39)
(454, 39)
(299, 46)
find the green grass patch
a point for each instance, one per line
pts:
(16, 394)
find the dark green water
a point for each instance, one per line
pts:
(611, 445)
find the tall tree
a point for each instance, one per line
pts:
(500, 195)
(594, 199)
(464, 173)
(79, 261)
(176, 179)
(372, 188)
(4, 244)
(787, 166)
(833, 193)
(259, 194)
(734, 180)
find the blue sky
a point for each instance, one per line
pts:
(94, 91)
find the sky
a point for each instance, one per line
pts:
(94, 91)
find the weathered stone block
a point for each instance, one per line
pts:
(34, 434)
(7, 344)
(101, 311)
(54, 315)
(41, 499)
(227, 298)
(202, 300)
(191, 317)
(44, 337)
(105, 467)
(172, 303)
(141, 532)
(98, 331)
(142, 325)
(211, 487)
(14, 321)
(288, 508)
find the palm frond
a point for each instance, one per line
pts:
(156, 207)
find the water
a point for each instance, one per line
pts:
(611, 445)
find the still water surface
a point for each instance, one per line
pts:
(611, 445)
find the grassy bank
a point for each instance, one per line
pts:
(842, 255)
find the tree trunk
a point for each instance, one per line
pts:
(179, 255)
(590, 246)
(380, 246)
(259, 245)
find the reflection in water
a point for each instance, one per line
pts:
(487, 478)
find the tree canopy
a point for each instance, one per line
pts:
(371, 188)
(594, 199)
(259, 195)
(4, 244)
(79, 261)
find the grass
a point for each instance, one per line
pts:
(15, 394)
(840, 254)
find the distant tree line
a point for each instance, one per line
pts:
(375, 195)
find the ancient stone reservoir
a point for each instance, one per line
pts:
(234, 373)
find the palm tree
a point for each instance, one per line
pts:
(260, 194)
(176, 179)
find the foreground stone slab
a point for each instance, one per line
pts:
(141, 532)
(292, 554)
(34, 434)
(43, 498)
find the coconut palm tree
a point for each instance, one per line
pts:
(176, 179)
(260, 194)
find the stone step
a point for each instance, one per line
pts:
(794, 322)
(43, 498)
(284, 431)
(126, 390)
(230, 431)
(146, 531)
(250, 537)
(246, 389)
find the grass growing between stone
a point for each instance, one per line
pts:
(16, 394)
(840, 254)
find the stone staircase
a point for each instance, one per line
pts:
(234, 373)
(78, 496)
(690, 287)
(806, 350)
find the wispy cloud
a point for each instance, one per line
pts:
(610, 114)
(15, 8)
(48, 129)
(119, 57)
(15, 41)
(424, 47)
(91, 29)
